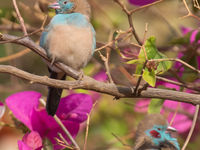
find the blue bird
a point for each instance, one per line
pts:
(69, 38)
(153, 133)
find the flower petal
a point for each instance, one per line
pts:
(23, 146)
(46, 126)
(22, 103)
(141, 2)
(33, 140)
(75, 107)
(2, 109)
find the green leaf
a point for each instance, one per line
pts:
(155, 105)
(136, 61)
(152, 54)
(149, 77)
(163, 66)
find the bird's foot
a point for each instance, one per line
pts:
(80, 76)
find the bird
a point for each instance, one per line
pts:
(153, 133)
(69, 38)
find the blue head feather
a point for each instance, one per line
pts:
(66, 6)
(159, 135)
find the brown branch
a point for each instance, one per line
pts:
(21, 20)
(130, 20)
(89, 83)
(189, 86)
(190, 14)
(40, 51)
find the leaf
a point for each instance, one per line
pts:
(152, 54)
(155, 105)
(149, 77)
(135, 61)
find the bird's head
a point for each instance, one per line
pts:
(64, 6)
(70, 6)
(155, 130)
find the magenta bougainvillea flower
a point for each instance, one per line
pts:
(72, 111)
(181, 122)
(193, 35)
(141, 2)
(2, 109)
(31, 141)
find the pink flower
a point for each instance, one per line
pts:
(142, 105)
(141, 2)
(72, 111)
(31, 141)
(193, 34)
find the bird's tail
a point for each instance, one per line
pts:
(54, 94)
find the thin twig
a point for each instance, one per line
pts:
(190, 14)
(86, 134)
(130, 20)
(87, 127)
(111, 42)
(14, 56)
(178, 60)
(192, 87)
(140, 79)
(192, 127)
(124, 144)
(145, 33)
(66, 132)
(175, 113)
(145, 6)
(21, 20)
(26, 35)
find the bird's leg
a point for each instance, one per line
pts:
(80, 76)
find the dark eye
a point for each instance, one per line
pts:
(155, 134)
(159, 129)
(65, 2)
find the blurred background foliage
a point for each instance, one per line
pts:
(109, 116)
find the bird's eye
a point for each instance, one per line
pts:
(159, 129)
(65, 2)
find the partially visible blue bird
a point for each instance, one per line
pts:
(153, 133)
(69, 38)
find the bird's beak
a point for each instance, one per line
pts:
(54, 6)
(171, 129)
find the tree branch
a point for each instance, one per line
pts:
(89, 83)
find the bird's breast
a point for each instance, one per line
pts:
(71, 45)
